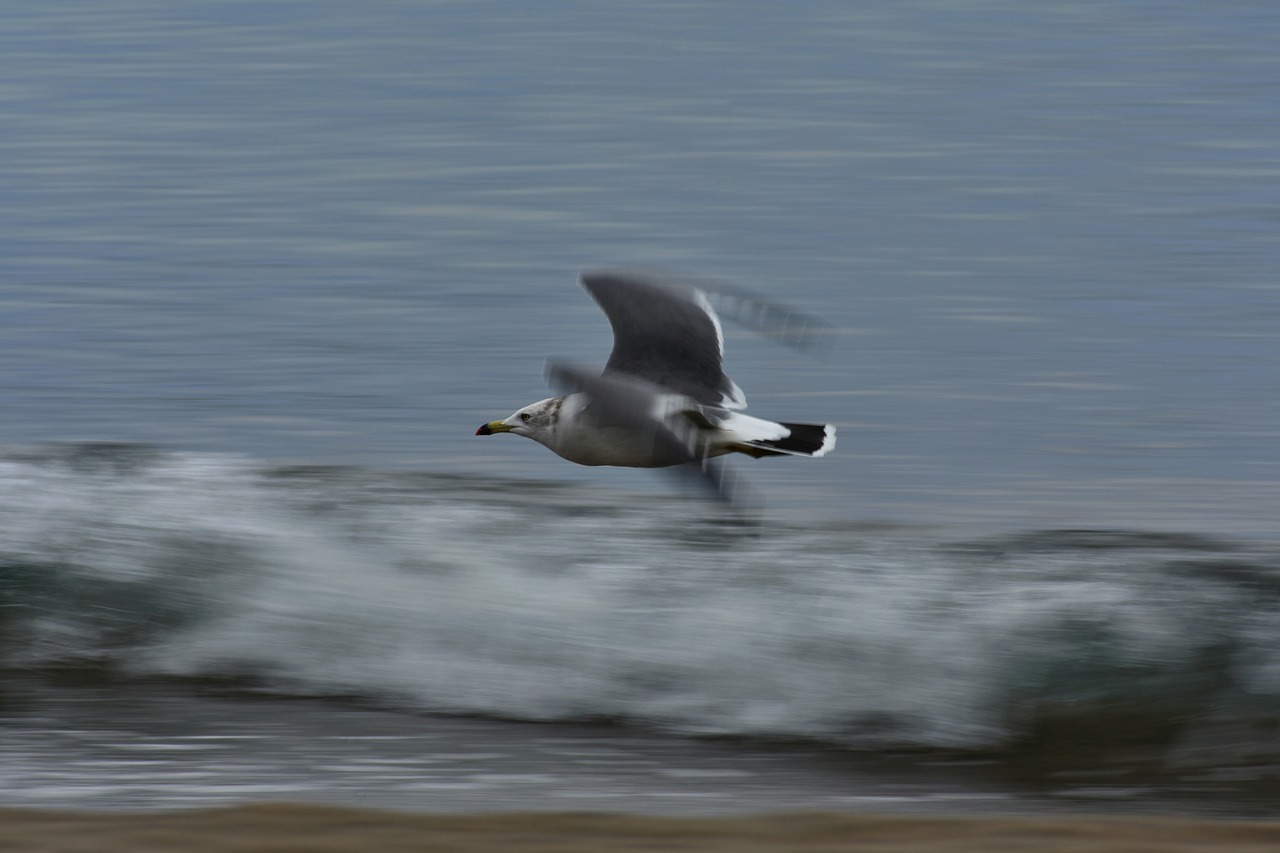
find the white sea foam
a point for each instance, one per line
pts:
(544, 602)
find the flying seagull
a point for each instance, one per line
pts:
(663, 400)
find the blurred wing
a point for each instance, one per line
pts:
(622, 401)
(625, 402)
(722, 481)
(664, 333)
(772, 319)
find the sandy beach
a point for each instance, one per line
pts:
(283, 827)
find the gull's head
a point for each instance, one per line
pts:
(535, 421)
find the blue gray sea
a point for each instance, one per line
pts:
(264, 268)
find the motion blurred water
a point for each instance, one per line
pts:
(243, 244)
(1091, 653)
(327, 233)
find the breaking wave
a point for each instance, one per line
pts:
(542, 601)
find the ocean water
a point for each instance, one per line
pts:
(153, 602)
(263, 269)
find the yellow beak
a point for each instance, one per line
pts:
(492, 428)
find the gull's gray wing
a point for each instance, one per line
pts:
(665, 329)
(664, 333)
(773, 320)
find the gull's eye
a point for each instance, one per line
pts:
(524, 416)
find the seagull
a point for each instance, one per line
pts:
(663, 400)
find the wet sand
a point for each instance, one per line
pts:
(337, 830)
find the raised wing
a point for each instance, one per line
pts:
(664, 333)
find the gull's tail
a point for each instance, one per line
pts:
(801, 440)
